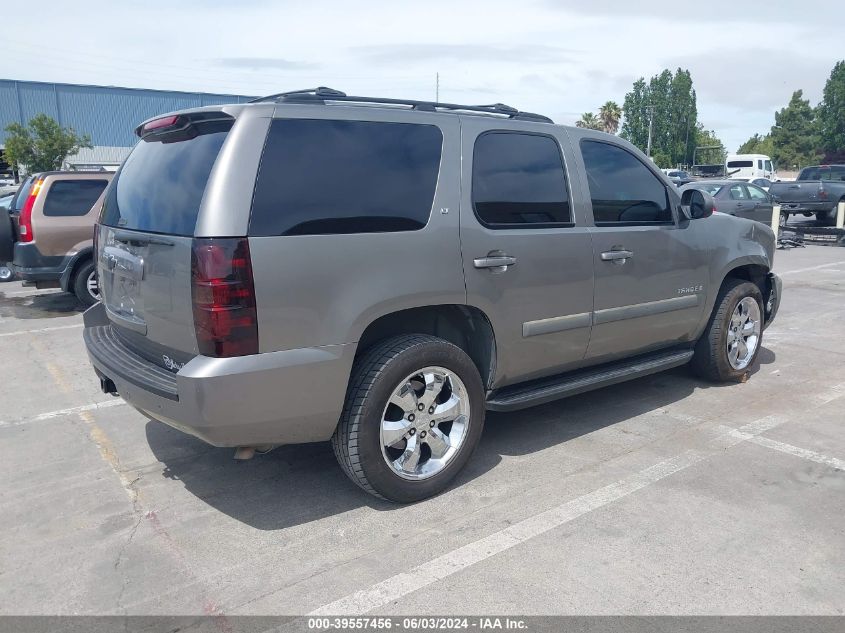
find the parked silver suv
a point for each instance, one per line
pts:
(377, 272)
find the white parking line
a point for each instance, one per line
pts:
(798, 271)
(789, 449)
(30, 293)
(43, 329)
(71, 410)
(402, 584)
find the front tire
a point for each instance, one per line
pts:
(85, 285)
(730, 344)
(413, 416)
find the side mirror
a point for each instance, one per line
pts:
(697, 204)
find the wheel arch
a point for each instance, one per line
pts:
(464, 326)
(67, 278)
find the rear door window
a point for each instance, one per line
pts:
(738, 192)
(324, 176)
(72, 197)
(518, 181)
(160, 186)
(622, 188)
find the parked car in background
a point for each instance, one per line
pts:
(678, 177)
(749, 166)
(741, 199)
(47, 235)
(763, 183)
(379, 273)
(6, 200)
(818, 189)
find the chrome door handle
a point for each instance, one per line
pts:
(616, 256)
(495, 262)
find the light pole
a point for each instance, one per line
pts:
(650, 126)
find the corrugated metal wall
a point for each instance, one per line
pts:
(107, 114)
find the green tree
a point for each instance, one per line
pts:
(668, 103)
(43, 144)
(589, 121)
(757, 144)
(831, 111)
(795, 136)
(609, 115)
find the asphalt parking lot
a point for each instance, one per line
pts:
(665, 495)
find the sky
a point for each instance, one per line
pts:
(556, 58)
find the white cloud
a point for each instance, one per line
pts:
(557, 58)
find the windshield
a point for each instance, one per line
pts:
(835, 172)
(160, 186)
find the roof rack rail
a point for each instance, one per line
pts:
(322, 94)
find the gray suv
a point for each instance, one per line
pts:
(379, 273)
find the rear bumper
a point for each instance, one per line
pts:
(805, 207)
(287, 397)
(771, 300)
(30, 265)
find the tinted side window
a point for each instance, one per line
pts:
(738, 193)
(329, 177)
(757, 194)
(623, 190)
(72, 197)
(518, 180)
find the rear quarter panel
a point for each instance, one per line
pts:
(314, 290)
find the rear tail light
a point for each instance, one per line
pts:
(223, 293)
(157, 124)
(25, 219)
(822, 193)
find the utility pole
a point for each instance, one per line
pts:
(650, 125)
(437, 89)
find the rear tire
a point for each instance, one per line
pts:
(85, 284)
(389, 446)
(719, 352)
(827, 218)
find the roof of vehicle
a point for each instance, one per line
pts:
(330, 97)
(322, 95)
(714, 181)
(44, 174)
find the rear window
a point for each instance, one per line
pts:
(21, 195)
(836, 172)
(72, 197)
(733, 164)
(329, 177)
(160, 186)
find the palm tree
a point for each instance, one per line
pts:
(609, 115)
(589, 121)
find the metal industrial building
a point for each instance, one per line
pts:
(108, 114)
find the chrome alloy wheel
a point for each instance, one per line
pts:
(92, 285)
(744, 333)
(425, 423)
